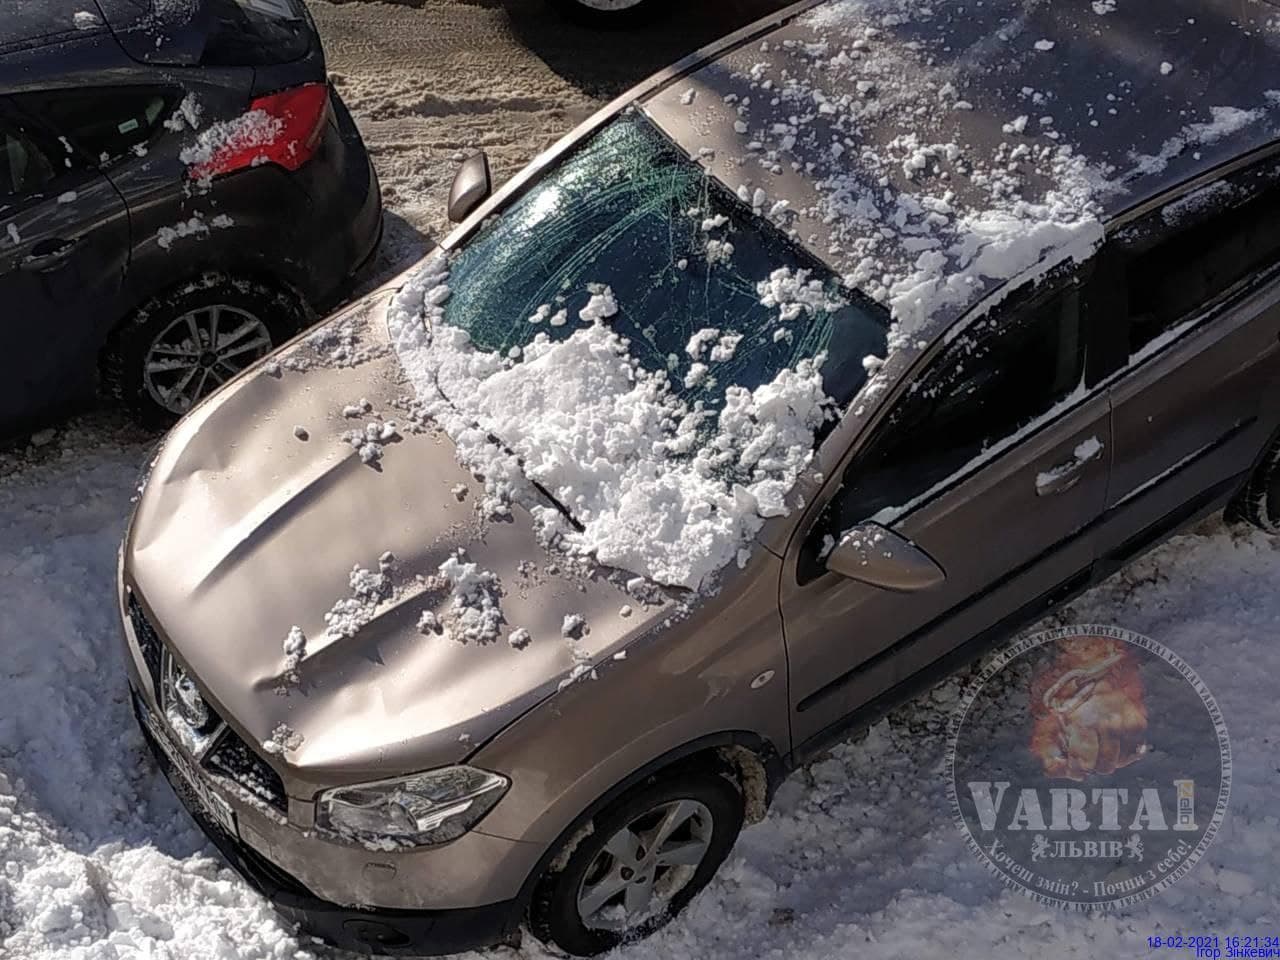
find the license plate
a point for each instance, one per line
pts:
(217, 809)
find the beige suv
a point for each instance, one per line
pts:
(504, 597)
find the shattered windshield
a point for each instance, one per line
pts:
(704, 288)
(651, 354)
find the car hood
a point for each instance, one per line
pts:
(253, 516)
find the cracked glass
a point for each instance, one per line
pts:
(681, 254)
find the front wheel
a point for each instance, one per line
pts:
(646, 857)
(609, 12)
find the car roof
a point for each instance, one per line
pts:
(154, 32)
(860, 123)
(28, 23)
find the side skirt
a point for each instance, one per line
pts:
(1190, 513)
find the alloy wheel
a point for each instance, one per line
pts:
(200, 351)
(644, 865)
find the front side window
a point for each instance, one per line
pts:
(105, 124)
(984, 390)
(24, 169)
(1195, 252)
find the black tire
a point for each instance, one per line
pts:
(580, 12)
(1258, 502)
(124, 358)
(553, 912)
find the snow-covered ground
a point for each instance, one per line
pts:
(859, 856)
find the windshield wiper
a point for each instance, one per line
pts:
(554, 502)
(564, 511)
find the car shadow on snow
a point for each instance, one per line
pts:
(403, 245)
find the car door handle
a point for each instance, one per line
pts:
(1066, 475)
(46, 253)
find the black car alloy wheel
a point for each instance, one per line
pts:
(187, 343)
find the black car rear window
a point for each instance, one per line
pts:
(255, 32)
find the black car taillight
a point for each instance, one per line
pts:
(283, 128)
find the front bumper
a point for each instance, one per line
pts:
(411, 932)
(343, 894)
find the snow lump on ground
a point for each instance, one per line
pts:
(859, 856)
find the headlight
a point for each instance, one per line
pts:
(426, 808)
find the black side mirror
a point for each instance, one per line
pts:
(876, 555)
(471, 187)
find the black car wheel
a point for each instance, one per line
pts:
(609, 12)
(1258, 502)
(646, 857)
(185, 344)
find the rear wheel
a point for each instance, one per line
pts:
(1259, 502)
(185, 344)
(645, 859)
(609, 12)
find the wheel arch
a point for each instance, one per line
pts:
(140, 294)
(751, 759)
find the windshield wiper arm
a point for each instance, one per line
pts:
(564, 511)
(557, 504)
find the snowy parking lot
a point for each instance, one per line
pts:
(860, 855)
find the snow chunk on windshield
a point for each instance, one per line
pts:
(368, 590)
(699, 341)
(794, 293)
(601, 305)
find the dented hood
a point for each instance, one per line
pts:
(251, 521)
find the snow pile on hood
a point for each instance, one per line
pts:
(368, 590)
(652, 487)
(476, 613)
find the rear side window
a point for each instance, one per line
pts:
(1226, 234)
(992, 382)
(255, 32)
(24, 169)
(104, 123)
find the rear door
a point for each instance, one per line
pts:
(64, 249)
(994, 461)
(1198, 393)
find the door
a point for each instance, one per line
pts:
(64, 247)
(1198, 395)
(995, 463)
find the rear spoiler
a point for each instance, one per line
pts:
(159, 31)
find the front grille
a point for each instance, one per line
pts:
(261, 872)
(148, 640)
(234, 759)
(229, 756)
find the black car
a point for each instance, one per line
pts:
(180, 190)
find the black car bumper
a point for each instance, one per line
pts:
(399, 932)
(346, 201)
